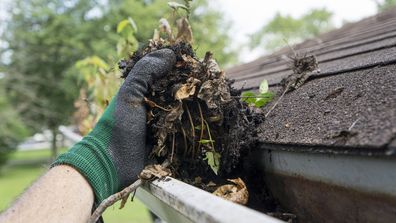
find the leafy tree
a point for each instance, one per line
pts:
(287, 28)
(12, 129)
(211, 32)
(44, 39)
(385, 4)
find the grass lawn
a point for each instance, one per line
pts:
(14, 179)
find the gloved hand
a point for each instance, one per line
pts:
(112, 155)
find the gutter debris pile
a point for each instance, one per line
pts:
(196, 120)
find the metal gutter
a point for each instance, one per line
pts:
(329, 187)
(175, 201)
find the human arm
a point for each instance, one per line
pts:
(60, 195)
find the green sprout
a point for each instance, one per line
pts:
(258, 100)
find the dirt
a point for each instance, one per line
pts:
(209, 117)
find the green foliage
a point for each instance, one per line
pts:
(260, 99)
(385, 4)
(213, 159)
(12, 129)
(293, 30)
(127, 43)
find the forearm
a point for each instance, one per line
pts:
(61, 195)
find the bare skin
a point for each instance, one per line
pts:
(60, 195)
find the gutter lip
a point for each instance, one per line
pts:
(197, 205)
(370, 151)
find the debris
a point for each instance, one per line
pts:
(154, 171)
(236, 192)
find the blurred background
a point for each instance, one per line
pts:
(58, 64)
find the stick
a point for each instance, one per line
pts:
(118, 196)
(113, 199)
(277, 101)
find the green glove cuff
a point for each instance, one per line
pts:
(91, 157)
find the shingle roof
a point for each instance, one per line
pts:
(357, 84)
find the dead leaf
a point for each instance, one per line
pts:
(236, 192)
(184, 33)
(167, 127)
(187, 89)
(215, 93)
(151, 172)
(212, 67)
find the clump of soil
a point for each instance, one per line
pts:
(195, 118)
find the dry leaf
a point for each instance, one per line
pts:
(213, 91)
(167, 126)
(184, 33)
(236, 192)
(187, 89)
(154, 171)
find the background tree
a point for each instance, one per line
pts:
(45, 38)
(12, 129)
(384, 4)
(293, 30)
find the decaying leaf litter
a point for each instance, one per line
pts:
(196, 119)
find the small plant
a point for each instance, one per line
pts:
(258, 99)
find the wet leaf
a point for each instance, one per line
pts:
(236, 192)
(213, 159)
(263, 87)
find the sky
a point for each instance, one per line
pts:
(249, 16)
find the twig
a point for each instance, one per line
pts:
(173, 147)
(185, 141)
(122, 195)
(202, 123)
(277, 101)
(210, 135)
(192, 129)
(353, 124)
(113, 199)
(155, 105)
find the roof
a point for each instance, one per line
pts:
(352, 101)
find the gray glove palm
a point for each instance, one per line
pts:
(113, 154)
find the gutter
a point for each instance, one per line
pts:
(177, 202)
(331, 187)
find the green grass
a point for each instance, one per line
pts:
(34, 154)
(14, 179)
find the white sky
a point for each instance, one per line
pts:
(249, 16)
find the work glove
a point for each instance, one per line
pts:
(112, 155)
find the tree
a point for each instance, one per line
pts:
(211, 31)
(45, 38)
(385, 4)
(293, 30)
(12, 129)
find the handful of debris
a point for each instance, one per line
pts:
(195, 118)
